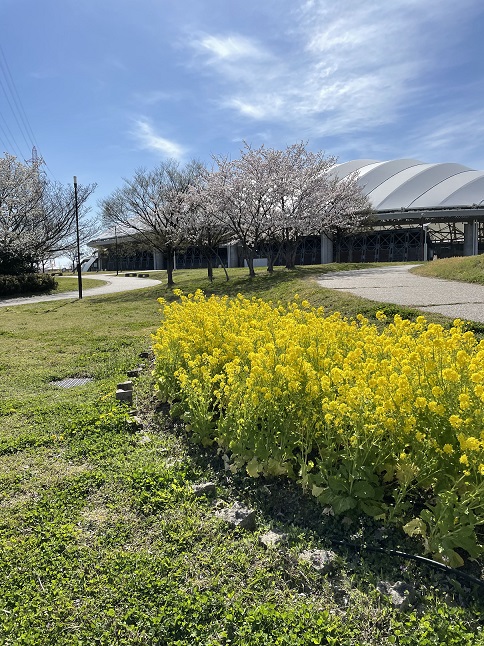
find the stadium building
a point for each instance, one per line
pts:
(420, 211)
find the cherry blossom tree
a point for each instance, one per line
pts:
(272, 199)
(203, 226)
(309, 199)
(152, 206)
(241, 192)
(20, 197)
(37, 216)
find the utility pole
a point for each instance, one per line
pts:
(116, 249)
(79, 277)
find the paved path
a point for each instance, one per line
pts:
(113, 284)
(397, 285)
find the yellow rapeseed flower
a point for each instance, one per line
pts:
(464, 401)
(450, 374)
(456, 421)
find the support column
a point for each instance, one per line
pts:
(157, 260)
(231, 256)
(471, 239)
(326, 249)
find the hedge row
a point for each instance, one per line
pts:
(26, 284)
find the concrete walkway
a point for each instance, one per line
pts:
(397, 285)
(113, 284)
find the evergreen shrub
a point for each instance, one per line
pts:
(26, 284)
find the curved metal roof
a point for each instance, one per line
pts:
(401, 184)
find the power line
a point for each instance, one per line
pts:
(12, 147)
(15, 103)
(25, 127)
(14, 115)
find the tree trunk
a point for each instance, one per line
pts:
(169, 267)
(290, 255)
(250, 264)
(224, 267)
(270, 263)
(210, 269)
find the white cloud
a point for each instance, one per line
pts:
(147, 138)
(233, 47)
(267, 107)
(335, 68)
(448, 137)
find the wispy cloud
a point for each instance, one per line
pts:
(352, 66)
(154, 97)
(236, 60)
(231, 48)
(148, 139)
(452, 136)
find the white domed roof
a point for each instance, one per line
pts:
(410, 184)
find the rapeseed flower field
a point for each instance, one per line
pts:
(385, 420)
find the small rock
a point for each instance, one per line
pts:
(401, 594)
(324, 561)
(144, 439)
(124, 395)
(272, 539)
(238, 516)
(134, 373)
(204, 489)
(144, 355)
(125, 385)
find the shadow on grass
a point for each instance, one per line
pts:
(282, 505)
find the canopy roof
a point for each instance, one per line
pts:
(402, 184)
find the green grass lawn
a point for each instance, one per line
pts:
(70, 284)
(103, 542)
(469, 269)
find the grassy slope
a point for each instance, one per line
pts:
(469, 269)
(101, 540)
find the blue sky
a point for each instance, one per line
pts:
(109, 86)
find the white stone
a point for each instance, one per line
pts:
(324, 561)
(238, 516)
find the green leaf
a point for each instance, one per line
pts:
(337, 484)
(449, 557)
(372, 508)
(341, 504)
(317, 491)
(415, 527)
(253, 468)
(363, 489)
